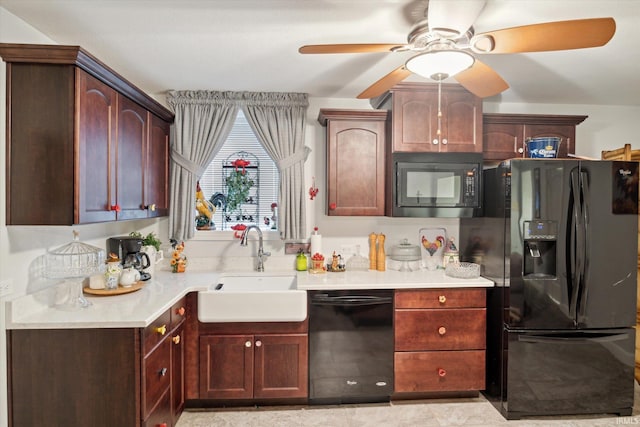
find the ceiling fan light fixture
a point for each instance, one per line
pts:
(439, 64)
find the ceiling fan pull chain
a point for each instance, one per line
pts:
(439, 131)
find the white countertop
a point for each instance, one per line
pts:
(138, 309)
(389, 279)
(134, 310)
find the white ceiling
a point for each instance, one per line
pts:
(252, 45)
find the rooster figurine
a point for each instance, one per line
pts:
(432, 247)
(205, 209)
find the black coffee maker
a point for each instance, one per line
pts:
(128, 250)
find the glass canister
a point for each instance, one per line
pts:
(74, 262)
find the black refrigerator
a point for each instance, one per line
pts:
(559, 239)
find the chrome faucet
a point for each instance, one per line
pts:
(262, 255)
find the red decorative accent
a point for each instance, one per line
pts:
(114, 208)
(441, 372)
(332, 206)
(313, 190)
(238, 228)
(240, 163)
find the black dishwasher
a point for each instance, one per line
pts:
(350, 346)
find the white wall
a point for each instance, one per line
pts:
(606, 128)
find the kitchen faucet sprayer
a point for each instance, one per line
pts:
(262, 255)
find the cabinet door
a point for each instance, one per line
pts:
(96, 180)
(132, 138)
(415, 121)
(355, 167)
(177, 373)
(566, 132)
(503, 141)
(461, 122)
(281, 366)
(157, 169)
(226, 367)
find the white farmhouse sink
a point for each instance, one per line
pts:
(255, 297)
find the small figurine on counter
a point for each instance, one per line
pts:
(451, 255)
(178, 259)
(336, 263)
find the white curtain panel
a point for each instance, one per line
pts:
(278, 120)
(203, 120)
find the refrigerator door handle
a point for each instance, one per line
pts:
(576, 236)
(571, 338)
(583, 250)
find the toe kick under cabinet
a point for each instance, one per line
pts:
(440, 337)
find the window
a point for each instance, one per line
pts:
(261, 175)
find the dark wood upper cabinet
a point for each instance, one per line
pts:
(131, 155)
(415, 121)
(505, 135)
(83, 144)
(156, 195)
(96, 179)
(355, 161)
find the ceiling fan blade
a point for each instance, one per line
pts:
(349, 48)
(451, 18)
(385, 83)
(549, 36)
(481, 80)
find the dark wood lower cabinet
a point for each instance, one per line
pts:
(440, 342)
(74, 377)
(253, 366)
(177, 372)
(244, 363)
(98, 377)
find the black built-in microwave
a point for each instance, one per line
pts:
(436, 185)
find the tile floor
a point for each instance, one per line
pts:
(475, 412)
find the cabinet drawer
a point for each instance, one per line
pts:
(157, 375)
(161, 414)
(439, 371)
(156, 331)
(178, 312)
(461, 329)
(440, 298)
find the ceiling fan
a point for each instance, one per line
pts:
(446, 46)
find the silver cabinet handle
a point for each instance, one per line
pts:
(258, 343)
(247, 344)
